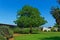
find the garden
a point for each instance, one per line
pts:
(28, 21)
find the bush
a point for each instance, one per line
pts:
(27, 31)
(52, 29)
(16, 30)
(21, 30)
(2, 38)
(35, 31)
(5, 32)
(11, 34)
(45, 30)
(24, 31)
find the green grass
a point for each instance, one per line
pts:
(41, 36)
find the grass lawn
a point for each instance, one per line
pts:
(41, 36)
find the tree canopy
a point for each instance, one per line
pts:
(29, 16)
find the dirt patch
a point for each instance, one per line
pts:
(11, 39)
(14, 36)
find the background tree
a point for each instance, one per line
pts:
(58, 1)
(56, 25)
(56, 14)
(29, 17)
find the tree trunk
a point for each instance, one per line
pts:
(59, 28)
(7, 38)
(58, 22)
(30, 28)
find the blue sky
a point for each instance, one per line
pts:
(9, 8)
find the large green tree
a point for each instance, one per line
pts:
(29, 17)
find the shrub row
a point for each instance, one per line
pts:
(25, 30)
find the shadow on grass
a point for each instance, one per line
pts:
(52, 38)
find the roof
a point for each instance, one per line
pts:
(8, 24)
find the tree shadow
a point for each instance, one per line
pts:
(52, 38)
